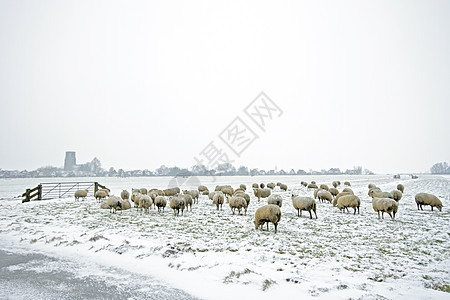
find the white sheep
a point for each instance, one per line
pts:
(202, 188)
(387, 205)
(177, 204)
(114, 203)
(100, 194)
(378, 194)
(324, 195)
(160, 202)
(312, 186)
(305, 184)
(238, 203)
(135, 196)
(271, 185)
(267, 213)
(283, 187)
(243, 187)
(347, 201)
(397, 195)
(125, 195)
(172, 191)
(348, 190)
(143, 191)
(125, 204)
(145, 202)
(400, 187)
(304, 203)
(334, 191)
(81, 194)
(243, 195)
(347, 183)
(275, 199)
(340, 195)
(428, 199)
(324, 187)
(188, 201)
(255, 186)
(262, 193)
(218, 199)
(194, 194)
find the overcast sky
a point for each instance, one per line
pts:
(139, 84)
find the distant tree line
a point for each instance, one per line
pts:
(440, 168)
(94, 169)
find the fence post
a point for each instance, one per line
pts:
(27, 196)
(95, 187)
(40, 192)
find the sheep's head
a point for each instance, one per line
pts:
(439, 206)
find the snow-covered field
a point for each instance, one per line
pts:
(213, 254)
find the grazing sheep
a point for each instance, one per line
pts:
(335, 184)
(324, 187)
(271, 185)
(106, 191)
(374, 189)
(124, 195)
(205, 193)
(428, 199)
(135, 198)
(81, 194)
(238, 203)
(345, 202)
(243, 187)
(152, 195)
(304, 203)
(278, 183)
(315, 193)
(400, 187)
(275, 199)
(100, 194)
(376, 194)
(333, 191)
(218, 199)
(172, 191)
(312, 186)
(347, 183)
(125, 204)
(228, 191)
(348, 190)
(243, 195)
(385, 205)
(261, 193)
(202, 188)
(371, 186)
(145, 202)
(143, 191)
(305, 184)
(339, 196)
(324, 195)
(211, 195)
(113, 203)
(255, 186)
(267, 213)
(397, 195)
(313, 182)
(177, 204)
(283, 187)
(160, 202)
(193, 193)
(188, 201)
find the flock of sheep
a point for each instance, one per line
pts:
(239, 200)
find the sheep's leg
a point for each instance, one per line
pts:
(267, 223)
(299, 210)
(418, 206)
(354, 210)
(276, 225)
(378, 214)
(393, 213)
(382, 214)
(310, 215)
(315, 214)
(431, 207)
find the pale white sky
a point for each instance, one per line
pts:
(139, 84)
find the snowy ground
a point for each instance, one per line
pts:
(217, 255)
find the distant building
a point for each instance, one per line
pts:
(70, 162)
